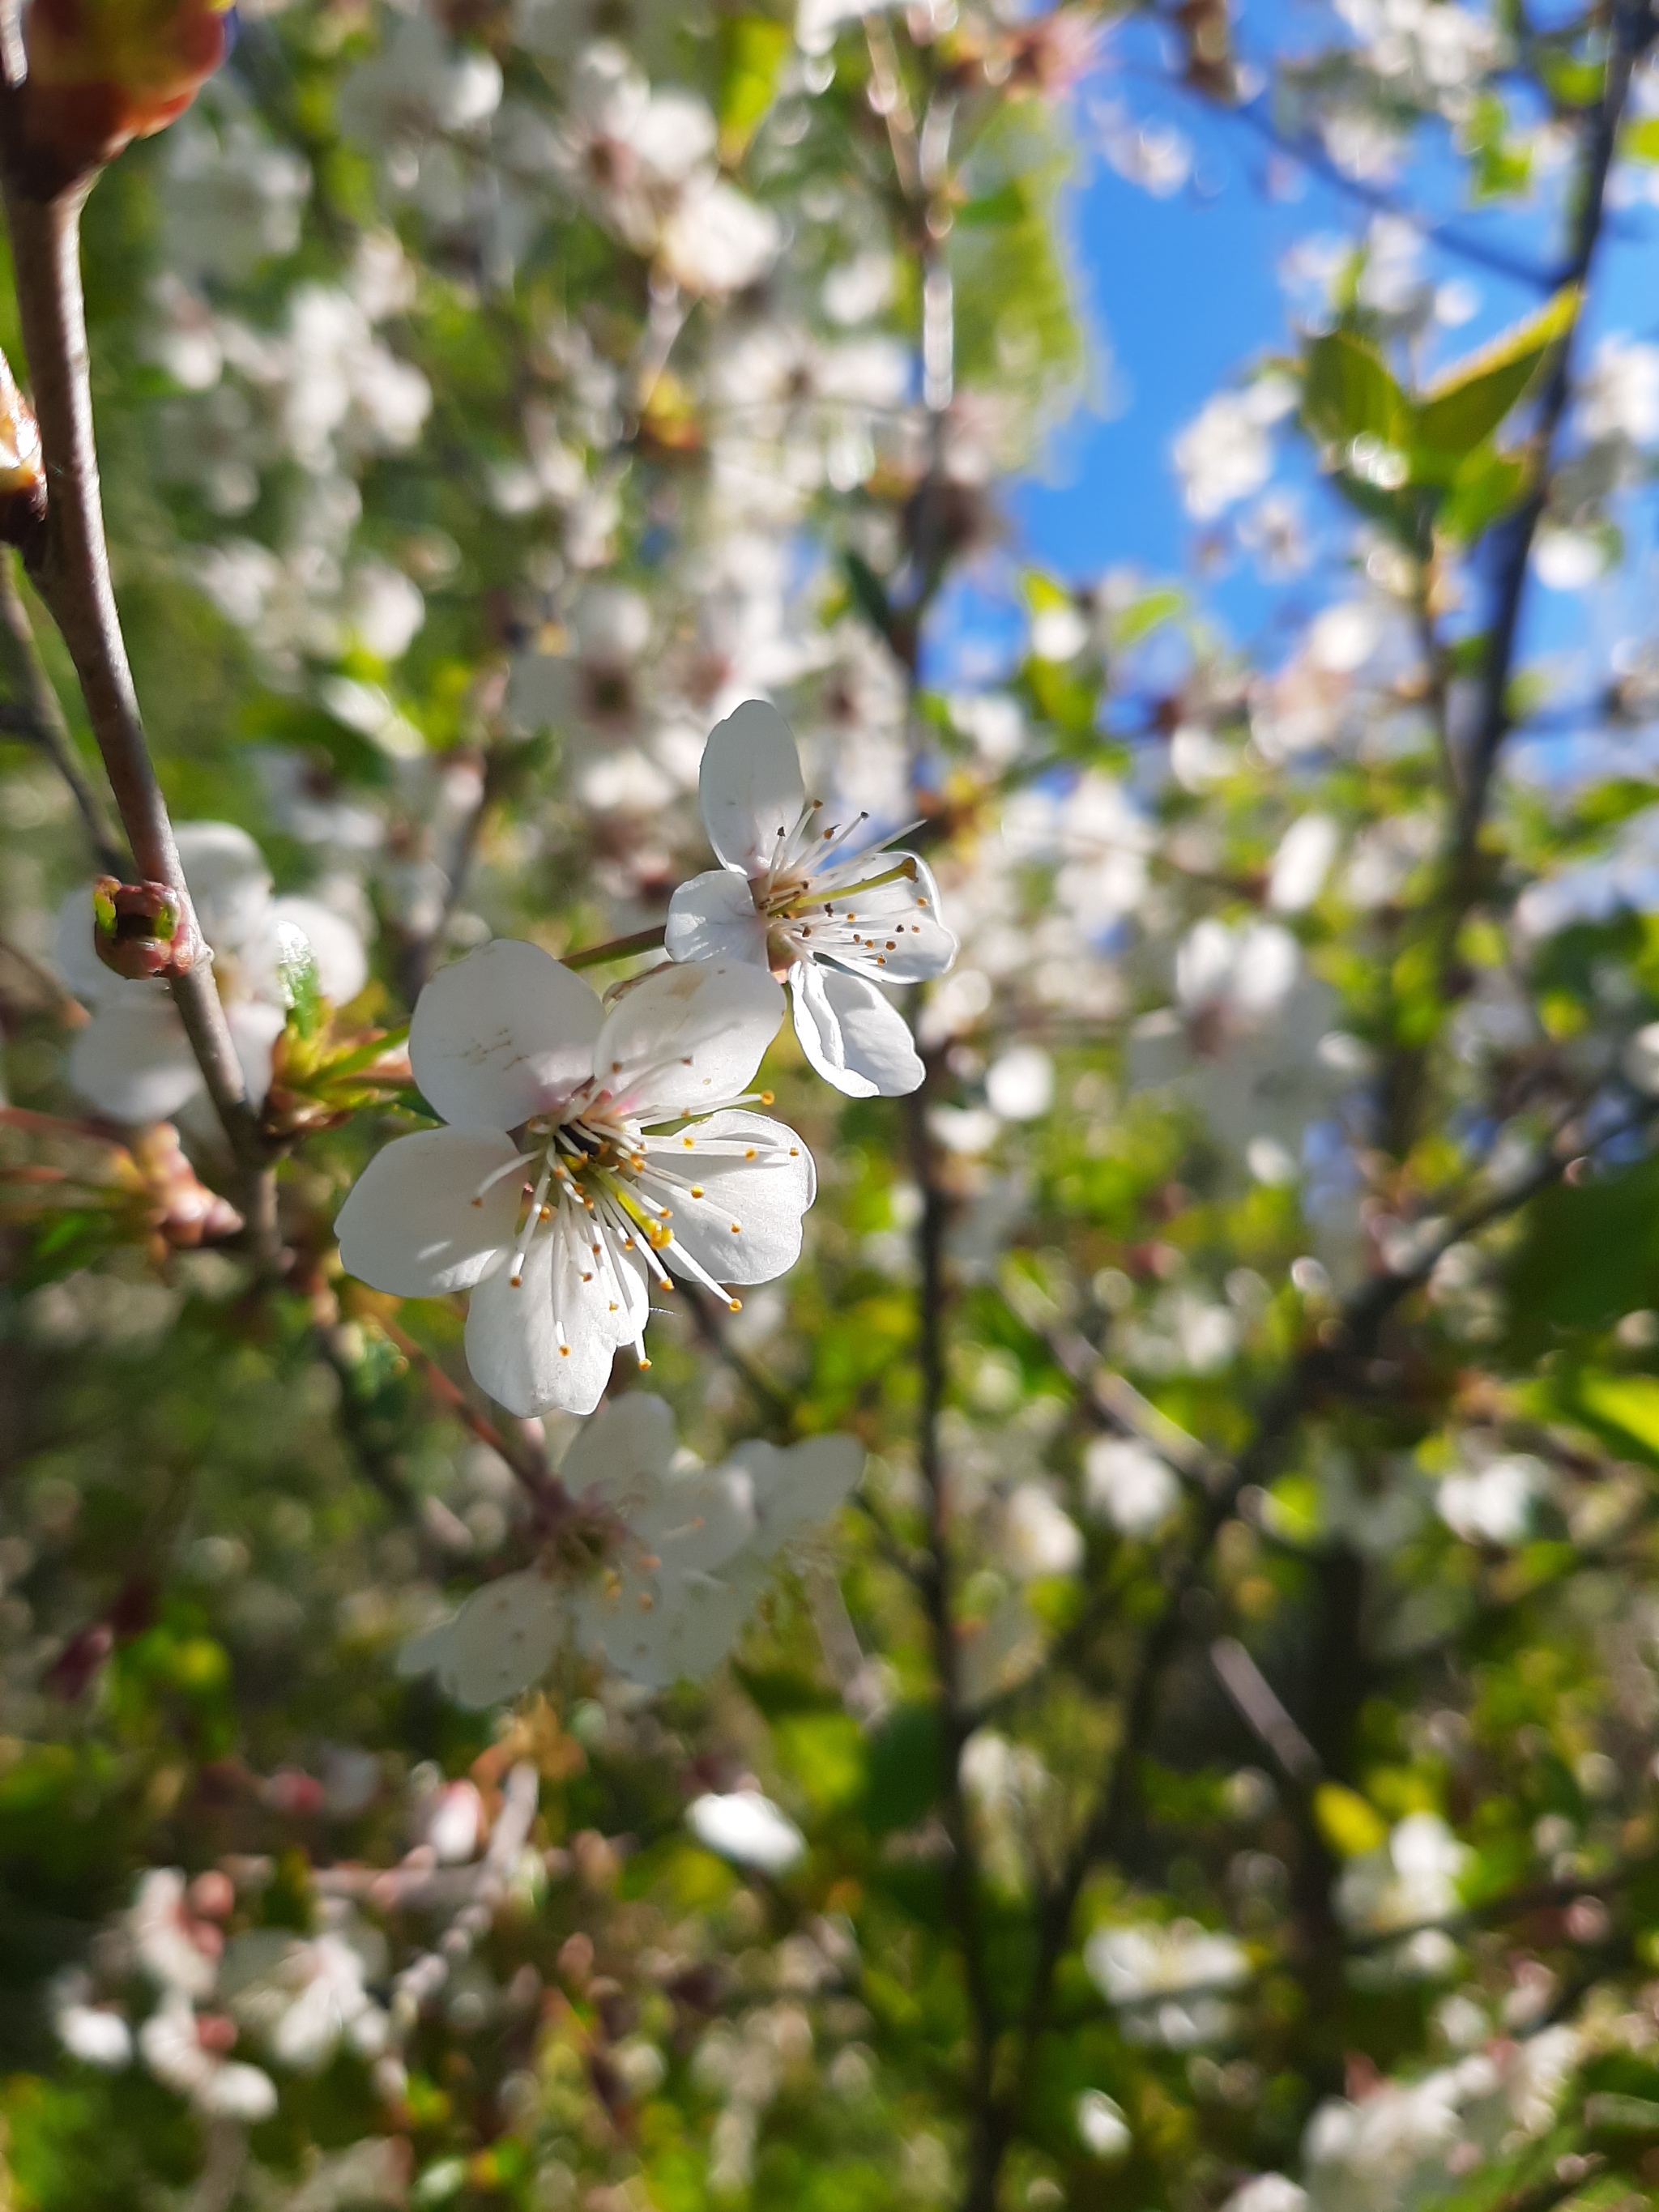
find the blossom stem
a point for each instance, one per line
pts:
(72, 577)
(618, 948)
(528, 1466)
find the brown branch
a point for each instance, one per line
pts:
(73, 579)
(529, 1467)
(34, 712)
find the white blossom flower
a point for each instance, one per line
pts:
(1102, 2128)
(172, 1947)
(1250, 1043)
(1411, 1878)
(95, 2034)
(626, 151)
(171, 2044)
(693, 1545)
(1126, 1483)
(1493, 1503)
(418, 88)
(786, 898)
(1039, 1537)
(133, 1060)
(1168, 1983)
(1225, 452)
(557, 1192)
(306, 1996)
(748, 1829)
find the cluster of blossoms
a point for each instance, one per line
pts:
(694, 1547)
(594, 1153)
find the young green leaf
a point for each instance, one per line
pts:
(1460, 409)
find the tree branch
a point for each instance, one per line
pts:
(73, 579)
(34, 712)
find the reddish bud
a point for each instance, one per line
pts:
(103, 72)
(135, 929)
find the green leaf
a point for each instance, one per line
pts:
(1609, 2113)
(1349, 393)
(1348, 1824)
(1629, 1403)
(1591, 1253)
(1640, 142)
(1487, 486)
(752, 50)
(869, 594)
(1462, 408)
(906, 1768)
(1145, 615)
(302, 987)
(1009, 203)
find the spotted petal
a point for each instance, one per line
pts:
(534, 1353)
(689, 1035)
(747, 1226)
(502, 1035)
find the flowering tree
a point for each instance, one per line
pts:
(1111, 1660)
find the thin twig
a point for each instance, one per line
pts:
(34, 712)
(616, 948)
(1629, 30)
(530, 1467)
(73, 579)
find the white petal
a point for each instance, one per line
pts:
(713, 917)
(133, 1061)
(229, 882)
(341, 963)
(502, 1640)
(237, 2092)
(72, 952)
(912, 945)
(623, 1452)
(751, 786)
(514, 1345)
(504, 1034)
(766, 1199)
(748, 1829)
(800, 1488)
(254, 1026)
(851, 1035)
(410, 1225)
(687, 1036)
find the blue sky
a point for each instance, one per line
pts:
(1184, 290)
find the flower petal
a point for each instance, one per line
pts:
(336, 947)
(529, 1361)
(411, 1225)
(765, 1197)
(133, 1061)
(896, 933)
(851, 1035)
(713, 917)
(504, 1034)
(254, 1026)
(798, 1488)
(500, 1642)
(687, 1036)
(229, 882)
(623, 1452)
(751, 786)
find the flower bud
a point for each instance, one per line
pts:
(135, 929)
(103, 72)
(22, 467)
